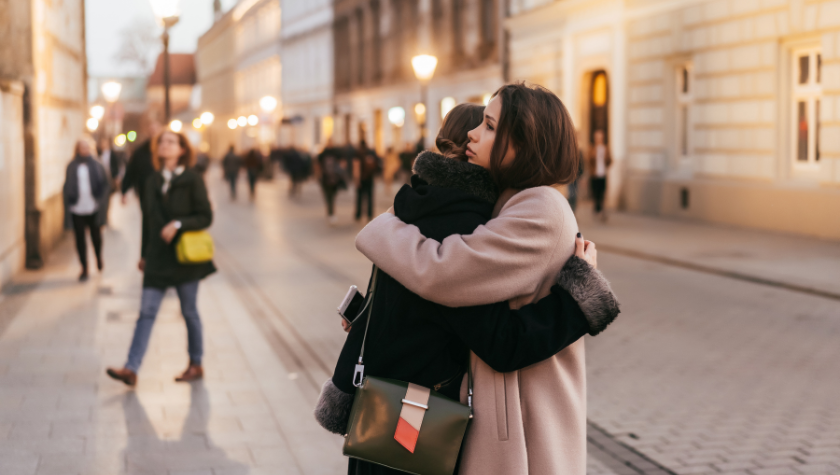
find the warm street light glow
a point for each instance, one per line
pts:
(111, 91)
(131, 136)
(424, 66)
(420, 108)
(253, 120)
(268, 103)
(486, 98)
(92, 124)
(232, 124)
(446, 105)
(396, 115)
(165, 9)
(207, 118)
(119, 140)
(242, 121)
(197, 123)
(176, 125)
(97, 112)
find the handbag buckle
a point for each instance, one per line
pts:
(359, 375)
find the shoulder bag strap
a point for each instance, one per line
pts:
(359, 374)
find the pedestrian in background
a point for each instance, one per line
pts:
(230, 166)
(599, 163)
(253, 167)
(364, 170)
(332, 177)
(176, 201)
(574, 187)
(390, 167)
(85, 185)
(139, 166)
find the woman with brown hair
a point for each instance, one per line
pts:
(531, 421)
(176, 201)
(411, 338)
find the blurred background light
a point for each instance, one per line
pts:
(396, 115)
(176, 125)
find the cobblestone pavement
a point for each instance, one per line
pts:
(701, 374)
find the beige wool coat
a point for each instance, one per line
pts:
(527, 422)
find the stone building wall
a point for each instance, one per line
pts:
(12, 203)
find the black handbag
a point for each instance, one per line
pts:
(402, 425)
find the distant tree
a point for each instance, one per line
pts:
(138, 44)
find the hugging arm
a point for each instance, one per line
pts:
(509, 340)
(503, 259)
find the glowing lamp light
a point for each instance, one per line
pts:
(446, 105)
(197, 123)
(253, 120)
(420, 108)
(424, 66)
(111, 91)
(119, 140)
(396, 115)
(485, 99)
(232, 124)
(268, 103)
(131, 136)
(164, 9)
(97, 112)
(92, 124)
(176, 125)
(207, 118)
(242, 121)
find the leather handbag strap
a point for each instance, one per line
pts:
(359, 374)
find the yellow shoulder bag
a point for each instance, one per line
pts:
(194, 247)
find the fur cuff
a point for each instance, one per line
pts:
(444, 172)
(591, 291)
(333, 409)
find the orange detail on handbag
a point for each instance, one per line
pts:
(406, 435)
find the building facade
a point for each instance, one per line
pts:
(42, 63)
(307, 73)
(715, 110)
(374, 42)
(239, 63)
(215, 60)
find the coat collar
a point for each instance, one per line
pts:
(444, 172)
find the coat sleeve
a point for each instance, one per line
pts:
(509, 340)
(202, 215)
(503, 259)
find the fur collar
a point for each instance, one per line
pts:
(444, 172)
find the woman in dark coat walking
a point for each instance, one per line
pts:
(86, 189)
(176, 201)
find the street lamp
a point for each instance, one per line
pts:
(92, 124)
(268, 103)
(207, 118)
(111, 91)
(167, 13)
(424, 68)
(176, 125)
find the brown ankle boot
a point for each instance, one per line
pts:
(192, 373)
(125, 375)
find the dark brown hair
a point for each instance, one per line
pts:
(538, 127)
(452, 139)
(187, 159)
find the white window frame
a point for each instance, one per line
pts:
(811, 94)
(684, 101)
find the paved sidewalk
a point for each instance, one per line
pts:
(60, 414)
(795, 262)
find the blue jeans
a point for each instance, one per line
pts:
(149, 306)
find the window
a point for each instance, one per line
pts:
(807, 90)
(360, 47)
(685, 97)
(457, 32)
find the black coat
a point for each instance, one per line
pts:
(99, 187)
(185, 201)
(415, 340)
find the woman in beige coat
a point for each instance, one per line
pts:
(531, 421)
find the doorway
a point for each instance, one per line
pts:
(599, 105)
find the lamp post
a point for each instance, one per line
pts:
(424, 69)
(167, 13)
